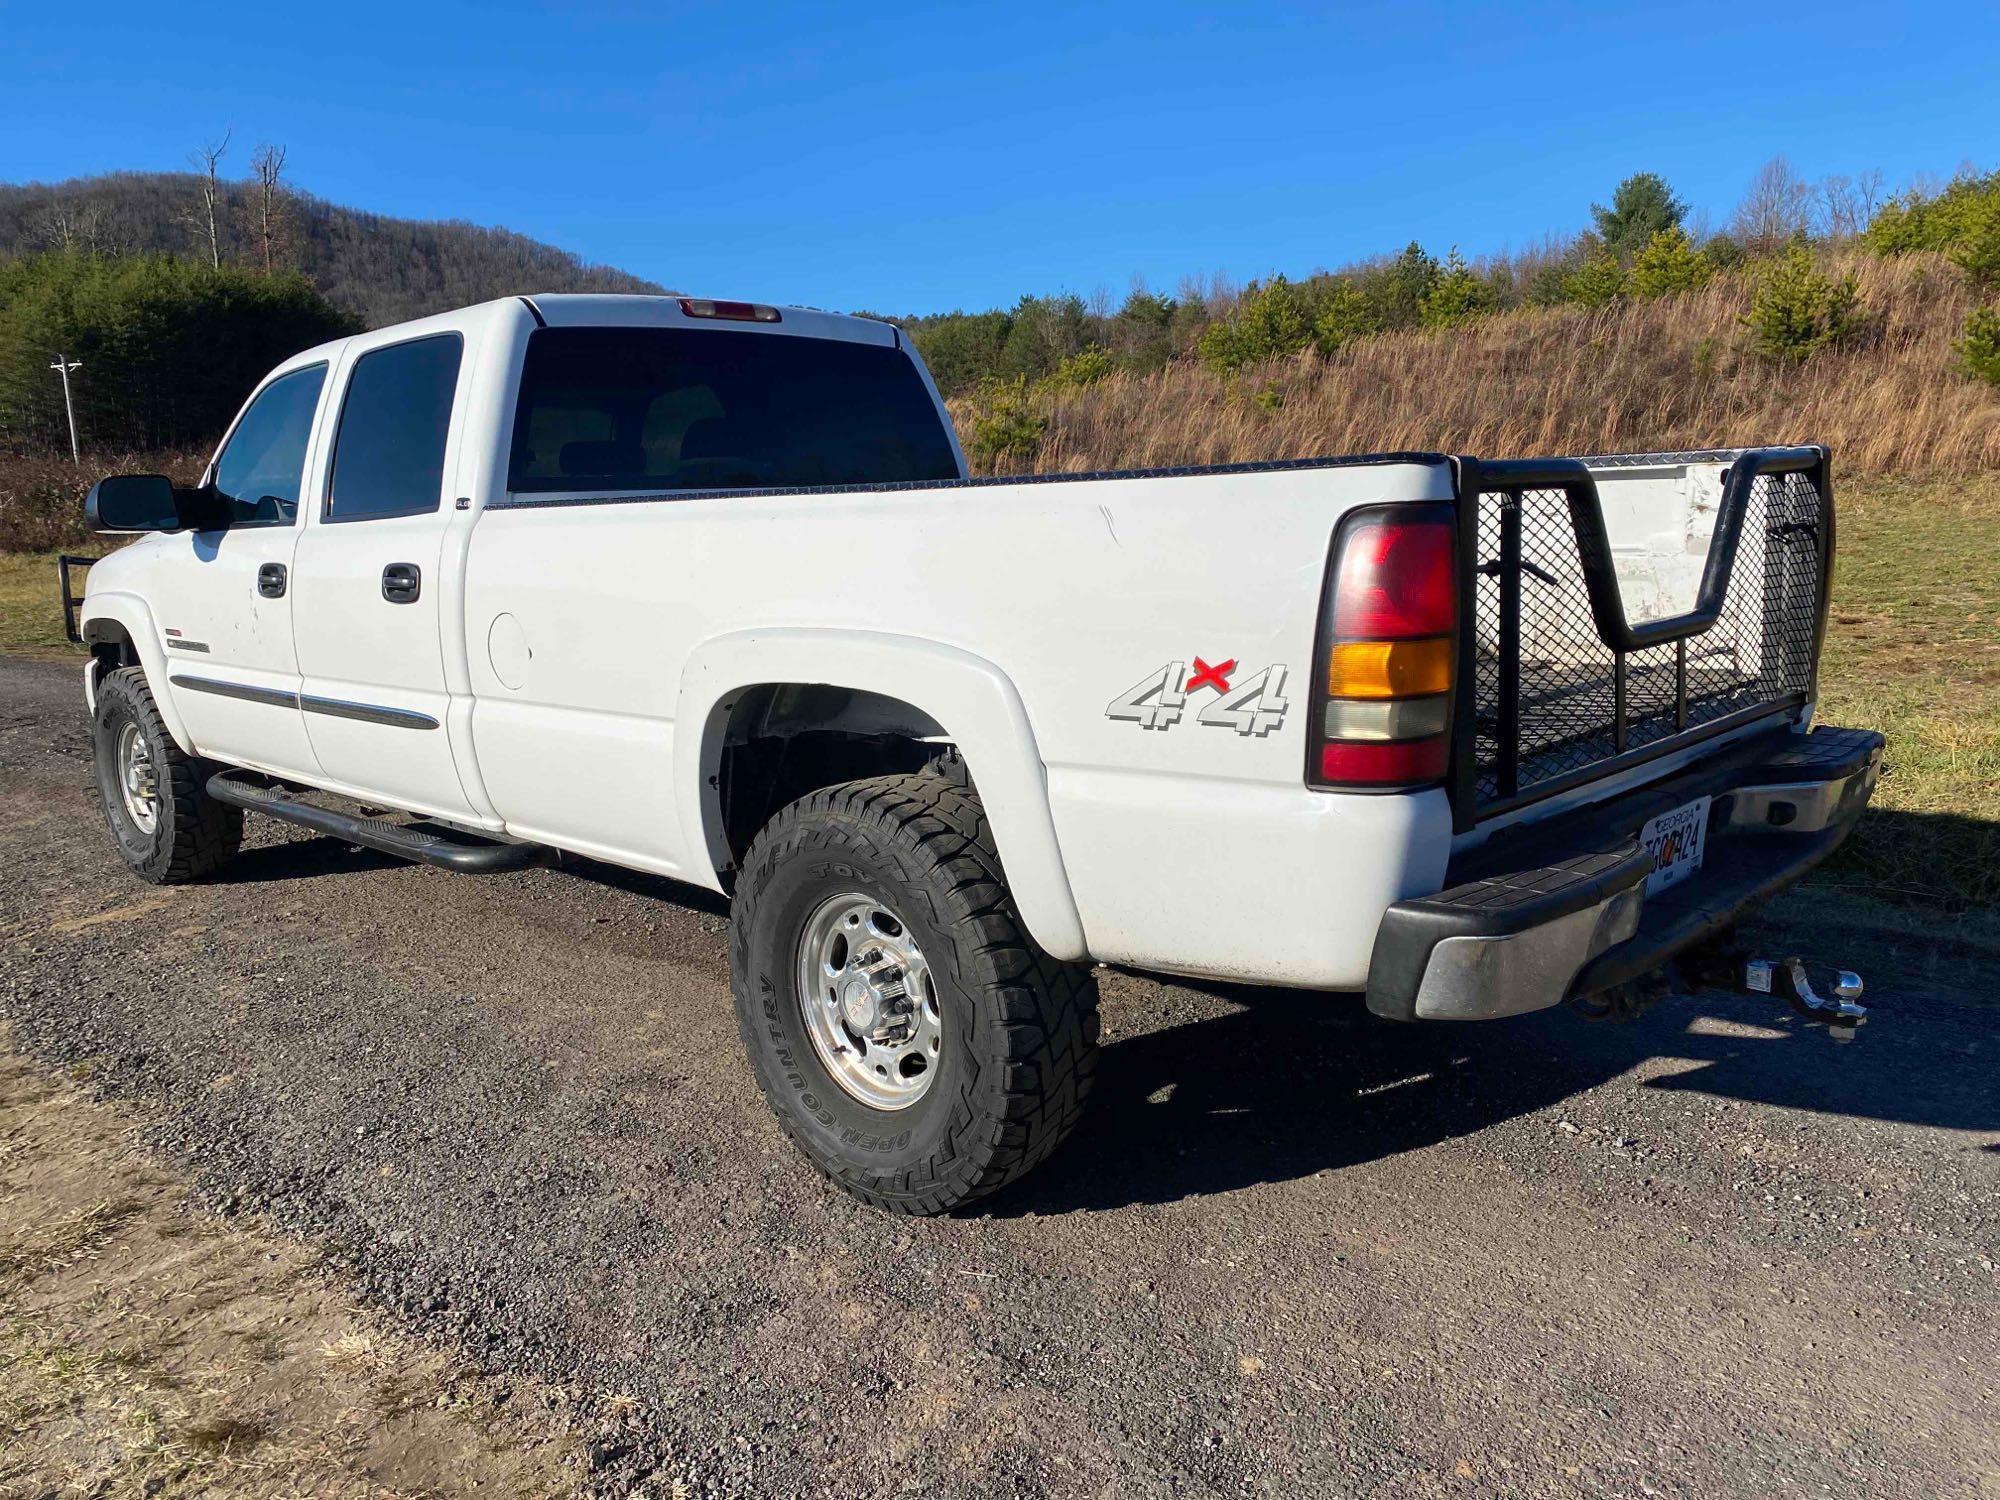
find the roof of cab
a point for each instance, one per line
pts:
(634, 310)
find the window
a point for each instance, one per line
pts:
(704, 409)
(388, 453)
(262, 466)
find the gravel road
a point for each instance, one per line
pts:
(1293, 1251)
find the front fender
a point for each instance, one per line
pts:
(107, 613)
(970, 697)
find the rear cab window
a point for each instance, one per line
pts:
(663, 409)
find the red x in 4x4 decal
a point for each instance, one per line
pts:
(1216, 677)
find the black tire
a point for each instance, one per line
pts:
(192, 835)
(1019, 1045)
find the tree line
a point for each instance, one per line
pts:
(1643, 243)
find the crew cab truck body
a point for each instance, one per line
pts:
(703, 589)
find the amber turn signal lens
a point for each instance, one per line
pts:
(1389, 669)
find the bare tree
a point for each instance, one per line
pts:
(68, 228)
(273, 207)
(1777, 206)
(201, 217)
(1846, 204)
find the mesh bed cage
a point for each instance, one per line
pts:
(1565, 687)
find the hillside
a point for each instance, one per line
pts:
(1634, 375)
(381, 269)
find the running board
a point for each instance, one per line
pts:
(465, 853)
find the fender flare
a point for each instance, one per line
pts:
(130, 614)
(971, 698)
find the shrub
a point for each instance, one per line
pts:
(1456, 296)
(1007, 424)
(1398, 288)
(41, 498)
(1797, 312)
(1976, 248)
(1085, 367)
(1346, 313)
(1141, 332)
(1723, 252)
(1669, 264)
(1599, 280)
(1041, 333)
(1979, 351)
(962, 349)
(1936, 221)
(1271, 320)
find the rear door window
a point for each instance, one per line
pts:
(388, 451)
(703, 409)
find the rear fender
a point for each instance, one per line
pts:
(968, 696)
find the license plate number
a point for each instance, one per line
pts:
(1675, 840)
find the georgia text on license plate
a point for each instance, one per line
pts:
(1675, 839)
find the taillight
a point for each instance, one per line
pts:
(1387, 651)
(739, 312)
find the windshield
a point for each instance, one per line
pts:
(699, 409)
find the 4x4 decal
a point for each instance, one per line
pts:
(1255, 706)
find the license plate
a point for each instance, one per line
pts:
(1675, 840)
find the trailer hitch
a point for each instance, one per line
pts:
(1788, 979)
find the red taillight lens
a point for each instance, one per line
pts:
(1383, 761)
(1387, 651)
(1395, 581)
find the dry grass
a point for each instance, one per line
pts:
(1632, 377)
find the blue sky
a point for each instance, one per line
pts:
(914, 159)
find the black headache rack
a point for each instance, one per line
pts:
(1558, 687)
(72, 601)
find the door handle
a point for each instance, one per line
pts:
(271, 580)
(401, 583)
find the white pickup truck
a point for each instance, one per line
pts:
(703, 588)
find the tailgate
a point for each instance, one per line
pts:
(1624, 609)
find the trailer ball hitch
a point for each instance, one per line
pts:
(1788, 978)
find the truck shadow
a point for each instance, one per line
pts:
(1292, 1085)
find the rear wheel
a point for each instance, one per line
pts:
(167, 828)
(911, 1038)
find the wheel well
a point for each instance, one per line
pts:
(110, 648)
(783, 741)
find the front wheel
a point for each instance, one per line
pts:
(912, 1039)
(167, 828)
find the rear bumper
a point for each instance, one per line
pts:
(1558, 910)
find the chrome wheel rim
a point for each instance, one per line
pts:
(869, 1002)
(136, 782)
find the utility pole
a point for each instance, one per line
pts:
(62, 366)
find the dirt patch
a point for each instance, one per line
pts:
(148, 1350)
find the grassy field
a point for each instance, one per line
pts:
(1913, 649)
(30, 618)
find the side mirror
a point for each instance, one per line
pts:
(149, 502)
(131, 502)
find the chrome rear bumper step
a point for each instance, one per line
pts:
(447, 849)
